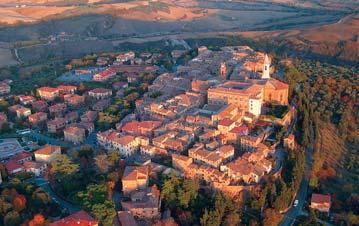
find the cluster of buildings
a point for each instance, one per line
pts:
(144, 201)
(126, 64)
(210, 118)
(61, 110)
(210, 123)
(36, 162)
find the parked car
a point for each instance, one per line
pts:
(296, 203)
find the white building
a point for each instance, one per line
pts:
(266, 68)
(37, 168)
(126, 145)
(48, 153)
(255, 106)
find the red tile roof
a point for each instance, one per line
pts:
(74, 131)
(12, 165)
(47, 89)
(319, 198)
(278, 84)
(226, 122)
(33, 165)
(240, 129)
(291, 136)
(48, 150)
(100, 90)
(20, 156)
(80, 218)
(136, 126)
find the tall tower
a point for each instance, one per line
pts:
(266, 68)
(223, 70)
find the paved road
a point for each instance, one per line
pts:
(301, 196)
(44, 184)
(91, 139)
(49, 140)
(279, 157)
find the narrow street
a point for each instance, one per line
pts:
(49, 140)
(44, 184)
(295, 211)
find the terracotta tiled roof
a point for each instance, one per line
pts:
(291, 136)
(27, 98)
(135, 126)
(66, 87)
(33, 165)
(48, 150)
(47, 89)
(124, 140)
(80, 218)
(239, 129)
(135, 172)
(319, 198)
(74, 131)
(225, 122)
(12, 165)
(56, 121)
(100, 90)
(278, 84)
(20, 156)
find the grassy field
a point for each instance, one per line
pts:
(6, 58)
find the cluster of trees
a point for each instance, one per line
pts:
(223, 212)
(25, 79)
(88, 60)
(89, 180)
(332, 91)
(122, 106)
(95, 200)
(192, 205)
(25, 203)
(328, 97)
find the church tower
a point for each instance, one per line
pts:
(266, 68)
(223, 70)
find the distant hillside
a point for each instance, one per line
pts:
(339, 40)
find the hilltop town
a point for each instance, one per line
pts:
(224, 119)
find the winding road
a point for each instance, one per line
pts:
(44, 184)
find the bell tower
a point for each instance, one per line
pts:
(223, 70)
(266, 68)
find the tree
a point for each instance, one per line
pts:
(94, 199)
(102, 163)
(82, 87)
(210, 218)
(12, 218)
(38, 220)
(41, 198)
(4, 206)
(3, 105)
(62, 167)
(94, 193)
(104, 212)
(169, 190)
(271, 217)
(5, 128)
(19, 203)
(113, 157)
(86, 152)
(188, 192)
